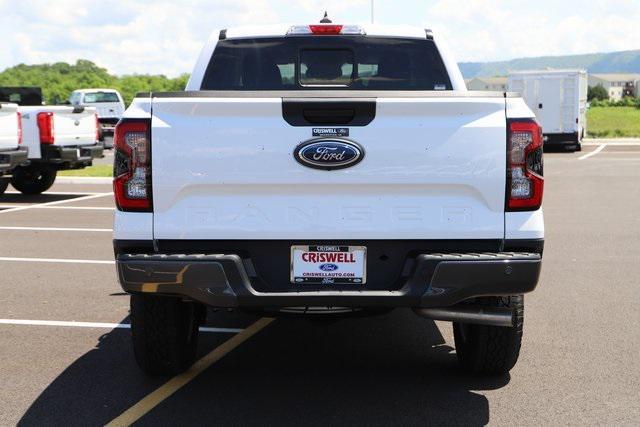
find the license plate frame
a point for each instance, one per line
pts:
(355, 276)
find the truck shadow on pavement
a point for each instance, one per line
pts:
(390, 369)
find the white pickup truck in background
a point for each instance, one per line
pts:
(109, 106)
(57, 138)
(328, 169)
(12, 153)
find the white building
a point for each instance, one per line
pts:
(487, 83)
(617, 85)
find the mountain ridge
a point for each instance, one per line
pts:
(627, 61)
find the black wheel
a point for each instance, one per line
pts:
(165, 333)
(33, 179)
(4, 183)
(491, 349)
(578, 146)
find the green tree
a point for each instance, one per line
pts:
(597, 93)
(58, 80)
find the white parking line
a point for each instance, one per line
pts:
(612, 141)
(58, 202)
(617, 144)
(87, 230)
(87, 208)
(100, 325)
(57, 260)
(82, 208)
(593, 153)
(62, 193)
(83, 180)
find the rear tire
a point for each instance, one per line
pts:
(165, 333)
(33, 179)
(4, 183)
(491, 349)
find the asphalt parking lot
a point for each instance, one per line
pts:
(67, 359)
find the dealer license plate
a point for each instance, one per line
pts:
(329, 265)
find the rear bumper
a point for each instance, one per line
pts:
(71, 157)
(226, 280)
(556, 139)
(12, 158)
(108, 125)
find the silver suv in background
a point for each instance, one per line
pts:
(109, 105)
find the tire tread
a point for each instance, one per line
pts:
(491, 349)
(165, 334)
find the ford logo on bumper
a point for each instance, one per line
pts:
(328, 153)
(328, 267)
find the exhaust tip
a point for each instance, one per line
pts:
(469, 314)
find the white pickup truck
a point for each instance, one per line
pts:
(12, 153)
(57, 137)
(328, 169)
(108, 104)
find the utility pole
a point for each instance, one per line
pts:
(372, 1)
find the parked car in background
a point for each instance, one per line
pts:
(57, 137)
(559, 100)
(12, 153)
(328, 169)
(108, 104)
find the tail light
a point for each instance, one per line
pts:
(325, 29)
(19, 128)
(132, 165)
(45, 126)
(97, 128)
(525, 182)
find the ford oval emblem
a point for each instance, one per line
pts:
(328, 267)
(328, 153)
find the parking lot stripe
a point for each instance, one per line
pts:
(57, 202)
(593, 153)
(62, 193)
(92, 230)
(156, 397)
(82, 208)
(57, 260)
(101, 325)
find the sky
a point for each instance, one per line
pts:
(165, 36)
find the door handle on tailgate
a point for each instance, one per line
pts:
(329, 116)
(328, 111)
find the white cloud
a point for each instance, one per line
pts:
(164, 36)
(481, 30)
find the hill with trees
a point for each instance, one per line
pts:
(60, 79)
(611, 62)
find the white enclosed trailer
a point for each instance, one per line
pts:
(559, 100)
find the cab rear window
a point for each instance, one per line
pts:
(95, 97)
(326, 62)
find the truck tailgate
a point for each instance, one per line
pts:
(74, 128)
(8, 127)
(223, 168)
